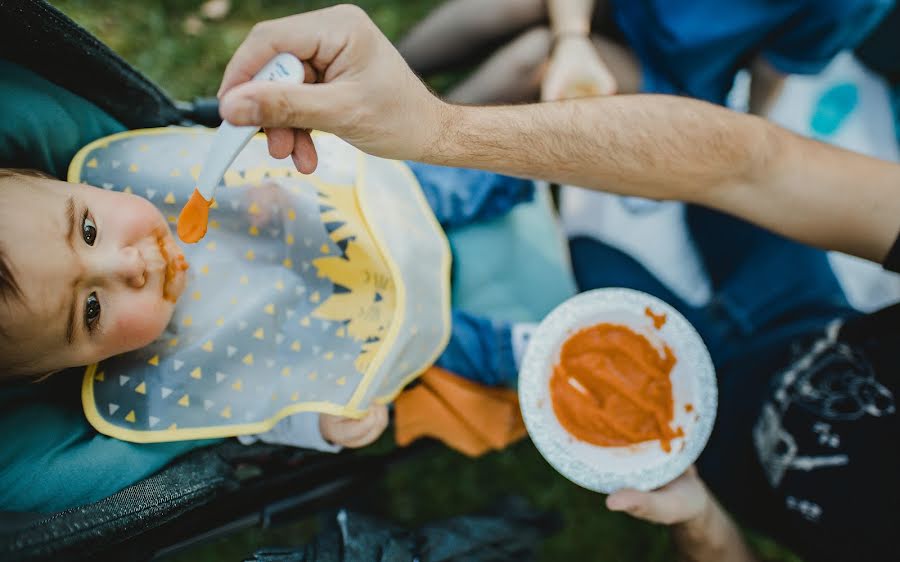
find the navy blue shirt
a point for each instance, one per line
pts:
(808, 449)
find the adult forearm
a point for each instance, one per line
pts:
(674, 148)
(712, 538)
(654, 146)
(570, 16)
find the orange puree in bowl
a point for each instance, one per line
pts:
(612, 388)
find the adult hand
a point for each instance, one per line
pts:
(365, 91)
(576, 71)
(683, 500)
(349, 432)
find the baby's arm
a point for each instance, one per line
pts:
(324, 432)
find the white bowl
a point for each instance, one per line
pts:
(643, 466)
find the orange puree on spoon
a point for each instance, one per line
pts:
(612, 388)
(193, 218)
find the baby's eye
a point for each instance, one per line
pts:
(91, 311)
(88, 229)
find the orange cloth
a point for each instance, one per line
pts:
(466, 416)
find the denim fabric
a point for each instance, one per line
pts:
(480, 350)
(460, 196)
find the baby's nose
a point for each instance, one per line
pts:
(130, 267)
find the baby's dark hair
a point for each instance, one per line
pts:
(9, 287)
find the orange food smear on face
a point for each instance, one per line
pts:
(612, 388)
(193, 218)
(172, 266)
(659, 320)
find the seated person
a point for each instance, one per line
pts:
(89, 273)
(629, 47)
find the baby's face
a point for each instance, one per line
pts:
(98, 271)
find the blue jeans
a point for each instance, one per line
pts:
(459, 196)
(479, 349)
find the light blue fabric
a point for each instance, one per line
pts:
(513, 268)
(510, 261)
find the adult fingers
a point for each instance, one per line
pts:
(677, 501)
(305, 157)
(281, 141)
(317, 37)
(650, 506)
(275, 104)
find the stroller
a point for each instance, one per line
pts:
(200, 490)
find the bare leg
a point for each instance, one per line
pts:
(511, 75)
(461, 29)
(766, 84)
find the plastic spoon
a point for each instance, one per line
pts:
(227, 144)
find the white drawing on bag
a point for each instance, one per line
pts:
(831, 381)
(810, 511)
(835, 382)
(826, 437)
(777, 449)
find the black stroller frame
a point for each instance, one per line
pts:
(209, 492)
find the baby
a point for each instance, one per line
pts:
(86, 274)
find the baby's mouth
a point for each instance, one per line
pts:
(175, 267)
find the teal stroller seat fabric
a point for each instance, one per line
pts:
(42, 425)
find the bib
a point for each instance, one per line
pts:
(319, 293)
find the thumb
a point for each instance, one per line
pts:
(649, 506)
(274, 104)
(626, 500)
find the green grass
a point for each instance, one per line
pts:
(150, 34)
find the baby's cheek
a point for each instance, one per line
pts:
(140, 324)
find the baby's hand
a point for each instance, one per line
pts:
(576, 71)
(349, 432)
